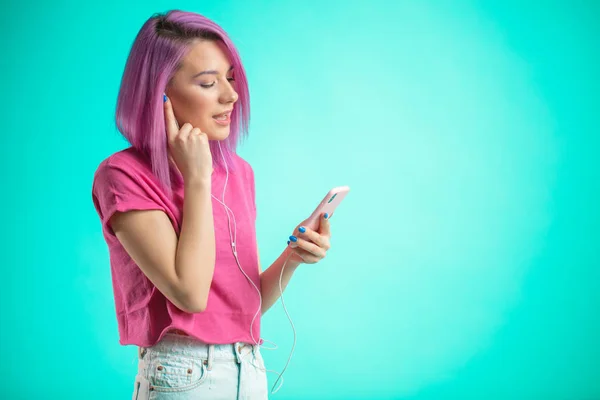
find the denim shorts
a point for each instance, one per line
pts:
(180, 367)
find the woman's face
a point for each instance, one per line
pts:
(202, 91)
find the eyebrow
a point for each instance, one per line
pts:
(210, 72)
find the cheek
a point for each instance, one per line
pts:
(199, 109)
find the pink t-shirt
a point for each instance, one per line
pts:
(124, 181)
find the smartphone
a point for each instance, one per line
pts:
(328, 205)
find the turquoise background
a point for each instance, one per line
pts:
(465, 260)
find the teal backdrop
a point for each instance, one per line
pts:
(465, 260)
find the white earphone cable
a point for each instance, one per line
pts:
(233, 238)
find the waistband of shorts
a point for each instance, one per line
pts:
(186, 346)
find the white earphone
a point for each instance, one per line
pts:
(233, 237)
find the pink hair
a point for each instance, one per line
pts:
(155, 55)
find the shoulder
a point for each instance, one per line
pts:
(124, 168)
(243, 163)
(128, 160)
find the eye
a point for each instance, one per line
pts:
(232, 79)
(207, 85)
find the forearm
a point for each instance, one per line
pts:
(269, 279)
(195, 258)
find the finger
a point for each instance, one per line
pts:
(312, 236)
(324, 227)
(185, 131)
(306, 256)
(170, 121)
(308, 246)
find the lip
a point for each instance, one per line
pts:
(226, 121)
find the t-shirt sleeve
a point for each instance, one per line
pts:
(117, 189)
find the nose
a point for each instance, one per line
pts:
(233, 96)
(230, 95)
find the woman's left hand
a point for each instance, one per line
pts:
(309, 246)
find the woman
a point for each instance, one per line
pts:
(188, 286)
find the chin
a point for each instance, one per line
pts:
(219, 136)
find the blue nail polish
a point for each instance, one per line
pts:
(326, 215)
(293, 238)
(302, 229)
(288, 242)
(164, 98)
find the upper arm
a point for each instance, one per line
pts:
(151, 242)
(258, 256)
(129, 209)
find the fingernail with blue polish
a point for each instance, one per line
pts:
(302, 229)
(164, 98)
(293, 238)
(288, 242)
(326, 215)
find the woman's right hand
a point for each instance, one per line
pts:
(188, 146)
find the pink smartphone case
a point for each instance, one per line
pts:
(327, 205)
